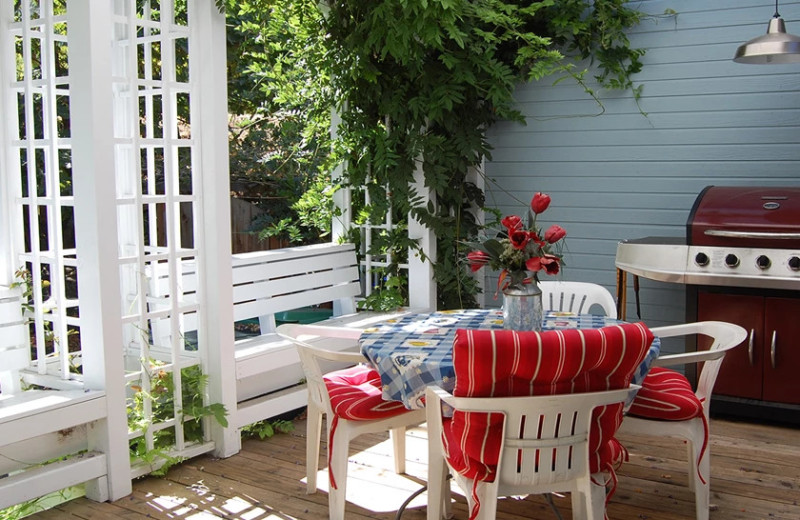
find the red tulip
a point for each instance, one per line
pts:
(512, 223)
(554, 233)
(540, 202)
(534, 264)
(477, 259)
(519, 239)
(549, 263)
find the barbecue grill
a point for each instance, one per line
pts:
(740, 261)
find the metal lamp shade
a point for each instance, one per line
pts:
(775, 47)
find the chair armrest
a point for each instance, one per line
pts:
(437, 393)
(725, 336)
(683, 329)
(687, 358)
(353, 358)
(719, 330)
(294, 333)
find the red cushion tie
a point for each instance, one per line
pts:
(476, 507)
(331, 479)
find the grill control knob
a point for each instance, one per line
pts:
(702, 259)
(763, 262)
(731, 260)
(794, 263)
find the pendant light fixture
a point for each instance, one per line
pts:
(775, 47)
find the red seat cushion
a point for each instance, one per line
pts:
(508, 363)
(667, 395)
(355, 394)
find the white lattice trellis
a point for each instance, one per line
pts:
(66, 364)
(158, 188)
(101, 190)
(40, 182)
(419, 273)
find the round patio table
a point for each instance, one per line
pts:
(416, 350)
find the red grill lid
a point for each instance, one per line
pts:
(743, 216)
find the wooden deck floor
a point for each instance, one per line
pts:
(755, 475)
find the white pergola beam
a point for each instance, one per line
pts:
(207, 70)
(8, 117)
(421, 283)
(91, 109)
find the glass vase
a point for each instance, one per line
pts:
(522, 308)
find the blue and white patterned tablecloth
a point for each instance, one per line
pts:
(416, 350)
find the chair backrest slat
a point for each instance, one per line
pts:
(577, 297)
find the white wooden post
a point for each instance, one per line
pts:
(10, 220)
(90, 26)
(342, 199)
(210, 123)
(422, 286)
(7, 105)
(477, 175)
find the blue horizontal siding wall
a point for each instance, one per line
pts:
(614, 173)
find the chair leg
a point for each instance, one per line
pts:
(691, 455)
(398, 437)
(447, 499)
(697, 469)
(437, 480)
(580, 497)
(596, 508)
(313, 433)
(338, 465)
(589, 498)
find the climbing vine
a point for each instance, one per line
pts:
(162, 407)
(421, 81)
(417, 83)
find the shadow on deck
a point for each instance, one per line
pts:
(754, 476)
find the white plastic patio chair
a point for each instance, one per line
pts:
(673, 390)
(544, 436)
(310, 341)
(576, 297)
(545, 448)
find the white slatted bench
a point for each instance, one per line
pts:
(266, 283)
(37, 425)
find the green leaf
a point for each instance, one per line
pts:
(417, 84)
(220, 413)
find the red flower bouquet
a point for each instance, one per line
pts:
(521, 252)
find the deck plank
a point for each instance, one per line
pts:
(754, 476)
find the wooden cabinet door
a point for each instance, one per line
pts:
(782, 342)
(741, 372)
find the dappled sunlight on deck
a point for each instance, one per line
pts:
(372, 483)
(197, 501)
(754, 476)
